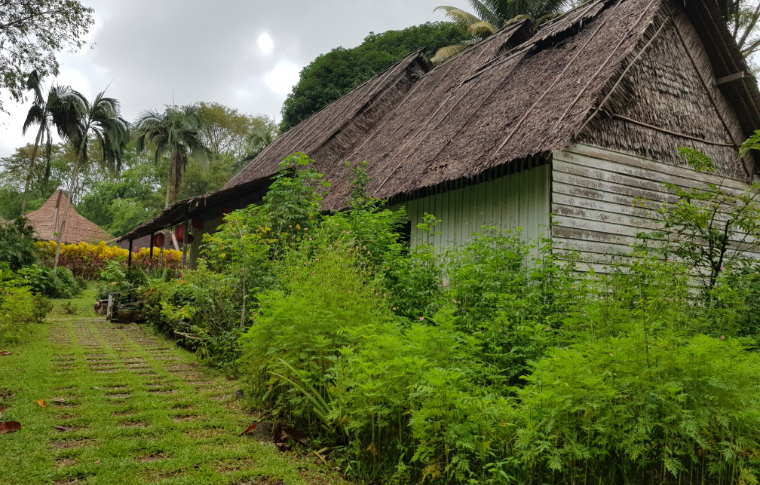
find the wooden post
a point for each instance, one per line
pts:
(184, 243)
(150, 253)
(129, 258)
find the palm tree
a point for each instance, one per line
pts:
(492, 15)
(59, 98)
(258, 140)
(100, 120)
(177, 131)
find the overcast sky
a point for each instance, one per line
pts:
(244, 54)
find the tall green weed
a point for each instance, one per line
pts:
(475, 364)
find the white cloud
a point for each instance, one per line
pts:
(226, 36)
(10, 127)
(283, 77)
(266, 44)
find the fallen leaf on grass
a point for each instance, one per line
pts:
(41, 402)
(5, 352)
(59, 400)
(97, 462)
(9, 427)
(283, 446)
(249, 429)
(282, 433)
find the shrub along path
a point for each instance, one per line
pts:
(124, 406)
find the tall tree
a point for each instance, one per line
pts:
(258, 140)
(31, 32)
(14, 171)
(332, 75)
(743, 17)
(177, 131)
(492, 15)
(100, 120)
(59, 98)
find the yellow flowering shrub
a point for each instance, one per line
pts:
(86, 260)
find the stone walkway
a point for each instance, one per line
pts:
(124, 406)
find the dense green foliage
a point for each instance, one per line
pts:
(334, 74)
(25, 284)
(118, 201)
(19, 254)
(20, 305)
(32, 32)
(46, 177)
(120, 204)
(59, 284)
(17, 244)
(474, 364)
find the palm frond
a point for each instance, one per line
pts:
(459, 16)
(491, 11)
(446, 52)
(178, 131)
(35, 116)
(34, 84)
(481, 29)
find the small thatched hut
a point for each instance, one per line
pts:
(559, 129)
(78, 229)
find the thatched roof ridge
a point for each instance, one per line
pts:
(488, 106)
(503, 99)
(333, 130)
(78, 229)
(491, 105)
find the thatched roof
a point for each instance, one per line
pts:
(78, 229)
(506, 98)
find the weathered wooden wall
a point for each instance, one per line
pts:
(593, 192)
(518, 200)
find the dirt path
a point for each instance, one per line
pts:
(127, 407)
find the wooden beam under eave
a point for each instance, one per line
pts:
(732, 77)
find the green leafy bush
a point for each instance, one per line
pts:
(65, 284)
(327, 303)
(17, 248)
(642, 407)
(474, 364)
(19, 306)
(58, 284)
(200, 310)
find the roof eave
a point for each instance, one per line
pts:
(183, 210)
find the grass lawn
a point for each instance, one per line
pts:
(126, 406)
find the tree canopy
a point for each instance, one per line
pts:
(332, 75)
(742, 17)
(32, 32)
(226, 131)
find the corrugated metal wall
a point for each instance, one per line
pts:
(518, 200)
